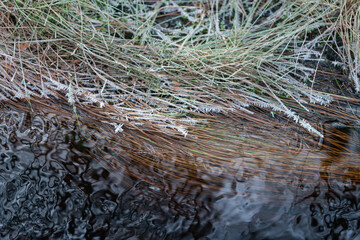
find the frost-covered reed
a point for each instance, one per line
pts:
(172, 64)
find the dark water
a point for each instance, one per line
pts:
(53, 187)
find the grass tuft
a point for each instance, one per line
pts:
(171, 65)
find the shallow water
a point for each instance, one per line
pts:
(52, 186)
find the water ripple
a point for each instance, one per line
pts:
(54, 186)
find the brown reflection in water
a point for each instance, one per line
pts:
(237, 179)
(240, 149)
(342, 145)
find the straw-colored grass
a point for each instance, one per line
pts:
(163, 70)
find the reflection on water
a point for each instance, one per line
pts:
(53, 186)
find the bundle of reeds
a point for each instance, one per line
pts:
(175, 76)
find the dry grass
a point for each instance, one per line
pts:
(154, 82)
